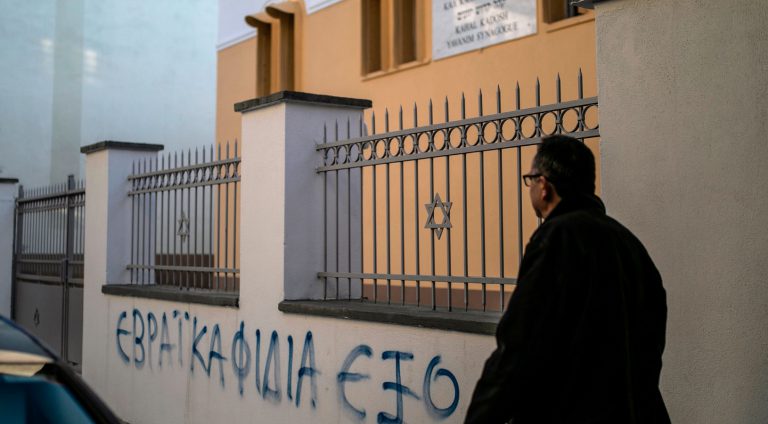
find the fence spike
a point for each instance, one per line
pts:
(386, 120)
(336, 129)
(517, 95)
(361, 125)
(415, 116)
(325, 132)
(218, 148)
(538, 92)
(446, 109)
(498, 99)
(557, 88)
(236, 148)
(373, 122)
(463, 107)
(430, 111)
(226, 150)
(349, 132)
(480, 102)
(400, 117)
(581, 85)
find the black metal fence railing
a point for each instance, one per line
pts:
(436, 215)
(185, 220)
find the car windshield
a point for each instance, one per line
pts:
(27, 399)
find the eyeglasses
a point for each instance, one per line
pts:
(528, 179)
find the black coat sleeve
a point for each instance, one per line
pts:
(520, 338)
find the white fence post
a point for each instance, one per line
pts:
(7, 202)
(107, 233)
(282, 193)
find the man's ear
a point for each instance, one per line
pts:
(548, 192)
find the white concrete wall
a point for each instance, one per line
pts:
(8, 191)
(178, 386)
(159, 361)
(683, 91)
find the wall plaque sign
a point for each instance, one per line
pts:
(459, 26)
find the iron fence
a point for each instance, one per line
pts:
(185, 220)
(50, 233)
(49, 243)
(436, 215)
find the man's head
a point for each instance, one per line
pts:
(563, 167)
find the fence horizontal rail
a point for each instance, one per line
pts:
(572, 105)
(53, 195)
(454, 151)
(415, 277)
(185, 268)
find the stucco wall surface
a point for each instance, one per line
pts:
(262, 374)
(683, 99)
(7, 204)
(168, 362)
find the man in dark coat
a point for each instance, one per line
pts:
(582, 337)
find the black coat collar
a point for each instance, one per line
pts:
(578, 202)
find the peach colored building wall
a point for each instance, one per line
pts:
(328, 60)
(329, 56)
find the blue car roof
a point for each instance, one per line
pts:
(16, 339)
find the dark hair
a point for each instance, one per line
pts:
(567, 164)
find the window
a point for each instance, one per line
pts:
(276, 47)
(557, 10)
(286, 48)
(263, 58)
(371, 24)
(391, 34)
(405, 31)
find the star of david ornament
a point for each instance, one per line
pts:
(183, 227)
(445, 207)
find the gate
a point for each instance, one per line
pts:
(48, 265)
